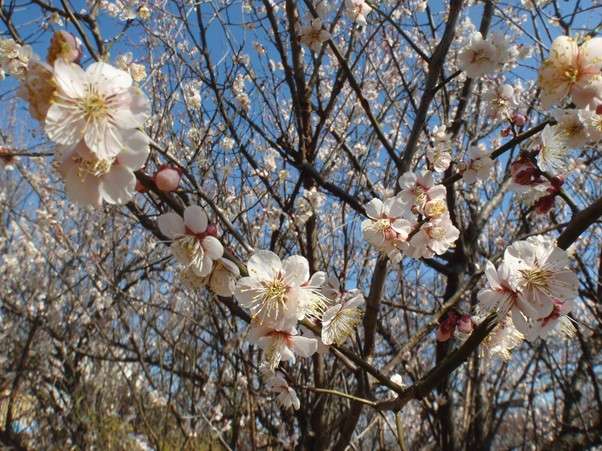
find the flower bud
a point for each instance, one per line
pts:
(519, 119)
(140, 187)
(465, 324)
(167, 178)
(64, 46)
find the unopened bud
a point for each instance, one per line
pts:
(167, 178)
(519, 119)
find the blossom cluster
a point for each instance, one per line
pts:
(532, 291)
(416, 222)
(485, 56)
(279, 294)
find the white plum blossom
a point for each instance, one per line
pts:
(500, 100)
(544, 274)
(340, 320)
(479, 164)
(192, 241)
(14, 58)
(439, 154)
(502, 340)
(357, 10)
(387, 227)
(557, 321)
(434, 237)
(280, 292)
(90, 180)
(287, 397)
(571, 128)
(589, 95)
(313, 34)
(569, 69)
(533, 285)
(100, 106)
(417, 190)
(484, 56)
(221, 280)
(281, 344)
(552, 152)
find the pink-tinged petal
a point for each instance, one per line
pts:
(171, 225)
(372, 235)
(139, 105)
(303, 346)
(247, 291)
(374, 208)
(396, 207)
(118, 186)
(84, 191)
(204, 269)
(135, 150)
(520, 322)
(564, 51)
(124, 118)
(195, 219)
(590, 53)
(491, 274)
(70, 79)
(108, 79)
(230, 266)
(437, 192)
(63, 125)
(213, 248)
(407, 180)
(589, 95)
(317, 279)
(264, 265)
(103, 139)
(296, 270)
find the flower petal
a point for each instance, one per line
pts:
(264, 265)
(171, 225)
(118, 185)
(213, 248)
(195, 218)
(296, 270)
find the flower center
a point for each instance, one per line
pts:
(437, 233)
(188, 249)
(435, 208)
(536, 278)
(94, 106)
(95, 168)
(571, 74)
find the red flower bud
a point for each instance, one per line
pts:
(519, 119)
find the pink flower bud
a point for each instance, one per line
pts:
(443, 334)
(167, 178)
(519, 119)
(545, 203)
(505, 132)
(465, 324)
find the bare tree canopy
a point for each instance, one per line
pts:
(310, 224)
